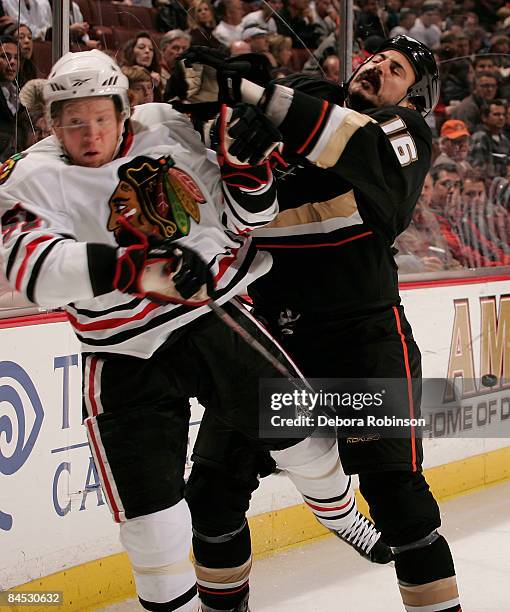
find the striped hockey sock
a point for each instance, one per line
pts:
(222, 566)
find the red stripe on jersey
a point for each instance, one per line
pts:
(224, 264)
(324, 509)
(111, 323)
(313, 246)
(325, 106)
(92, 373)
(409, 385)
(28, 253)
(128, 141)
(102, 469)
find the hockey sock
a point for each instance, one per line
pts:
(158, 548)
(426, 577)
(222, 565)
(314, 467)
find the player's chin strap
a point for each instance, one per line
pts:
(422, 543)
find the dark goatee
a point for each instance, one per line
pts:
(357, 101)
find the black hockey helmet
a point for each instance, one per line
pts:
(424, 93)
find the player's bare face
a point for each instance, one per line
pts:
(89, 130)
(382, 81)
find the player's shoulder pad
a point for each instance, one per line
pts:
(415, 123)
(146, 116)
(32, 163)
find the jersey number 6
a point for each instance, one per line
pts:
(402, 142)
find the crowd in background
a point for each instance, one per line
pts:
(462, 219)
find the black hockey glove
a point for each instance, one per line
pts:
(229, 71)
(162, 271)
(253, 136)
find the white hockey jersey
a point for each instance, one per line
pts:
(165, 184)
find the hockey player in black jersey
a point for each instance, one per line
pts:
(358, 155)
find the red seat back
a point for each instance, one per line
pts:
(42, 57)
(135, 17)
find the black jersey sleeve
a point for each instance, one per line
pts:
(384, 154)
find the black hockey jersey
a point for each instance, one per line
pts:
(332, 240)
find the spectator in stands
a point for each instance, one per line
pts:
(79, 28)
(36, 125)
(325, 18)
(256, 37)
(35, 13)
(173, 44)
(500, 45)
(203, 24)
(506, 129)
(406, 23)
(5, 20)
(331, 67)
(239, 47)
(479, 41)
(490, 147)
(297, 23)
(171, 15)
(462, 45)
(425, 30)
(422, 247)
(456, 221)
(471, 23)
(12, 136)
(265, 16)
(477, 228)
(447, 187)
(457, 81)
(370, 20)
(392, 8)
(27, 70)
(454, 145)
(141, 89)
(484, 90)
(140, 51)
(484, 63)
(280, 48)
(229, 29)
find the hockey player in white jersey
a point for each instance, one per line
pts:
(129, 225)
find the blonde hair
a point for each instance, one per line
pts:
(278, 43)
(136, 74)
(193, 21)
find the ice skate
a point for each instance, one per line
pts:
(366, 540)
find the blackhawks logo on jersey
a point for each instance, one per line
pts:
(156, 197)
(8, 166)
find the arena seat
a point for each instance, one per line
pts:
(42, 57)
(84, 7)
(135, 17)
(104, 13)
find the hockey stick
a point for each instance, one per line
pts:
(230, 322)
(155, 281)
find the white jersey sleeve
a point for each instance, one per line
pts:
(41, 257)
